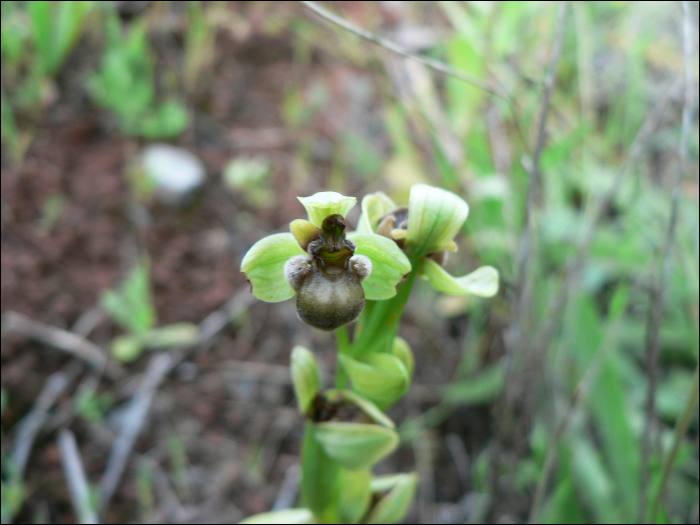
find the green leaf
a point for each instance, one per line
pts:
(131, 306)
(476, 390)
(287, 516)
(394, 506)
(55, 27)
(356, 446)
(322, 204)
(264, 266)
(305, 377)
(374, 206)
(354, 498)
(593, 482)
(171, 335)
(389, 265)
(380, 377)
(482, 281)
(127, 348)
(435, 217)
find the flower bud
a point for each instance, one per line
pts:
(305, 377)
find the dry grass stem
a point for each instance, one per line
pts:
(75, 474)
(63, 340)
(400, 50)
(658, 291)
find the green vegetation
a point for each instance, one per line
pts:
(132, 308)
(585, 363)
(125, 85)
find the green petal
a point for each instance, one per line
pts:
(305, 377)
(435, 217)
(482, 282)
(374, 206)
(304, 232)
(394, 506)
(287, 516)
(263, 265)
(380, 377)
(355, 446)
(321, 205)
(389, 265)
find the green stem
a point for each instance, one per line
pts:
(381, 328)
(681, 428)
(319, 479)
(343, 348)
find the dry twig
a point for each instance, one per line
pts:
(54, 387)
(63, 340)
(525, 250)
(134, 419)
(75, 474)
(159, 366)
(289, 489)
(401, 50)
(658, 291)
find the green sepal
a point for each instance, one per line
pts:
(482, 281)
(354, 498)
(435, 217)
(283, 517)
(402, 350)
(321, 205)
(374, 207)
(370, 409)
(305, 377)
(380, 377)
(355, 446)
(389, 265)
(304, 232)
(263, 265)
(395, 504)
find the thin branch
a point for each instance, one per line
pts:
(401, 50)
(579, 395)
(658, 292)
(159, 366)
(134, 419)
(574, 267)
(75, 474)
(54, 387)
(63, 340)
(682, 425)
(525, 251)
(289, 489)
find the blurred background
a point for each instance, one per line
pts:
(147, 145)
